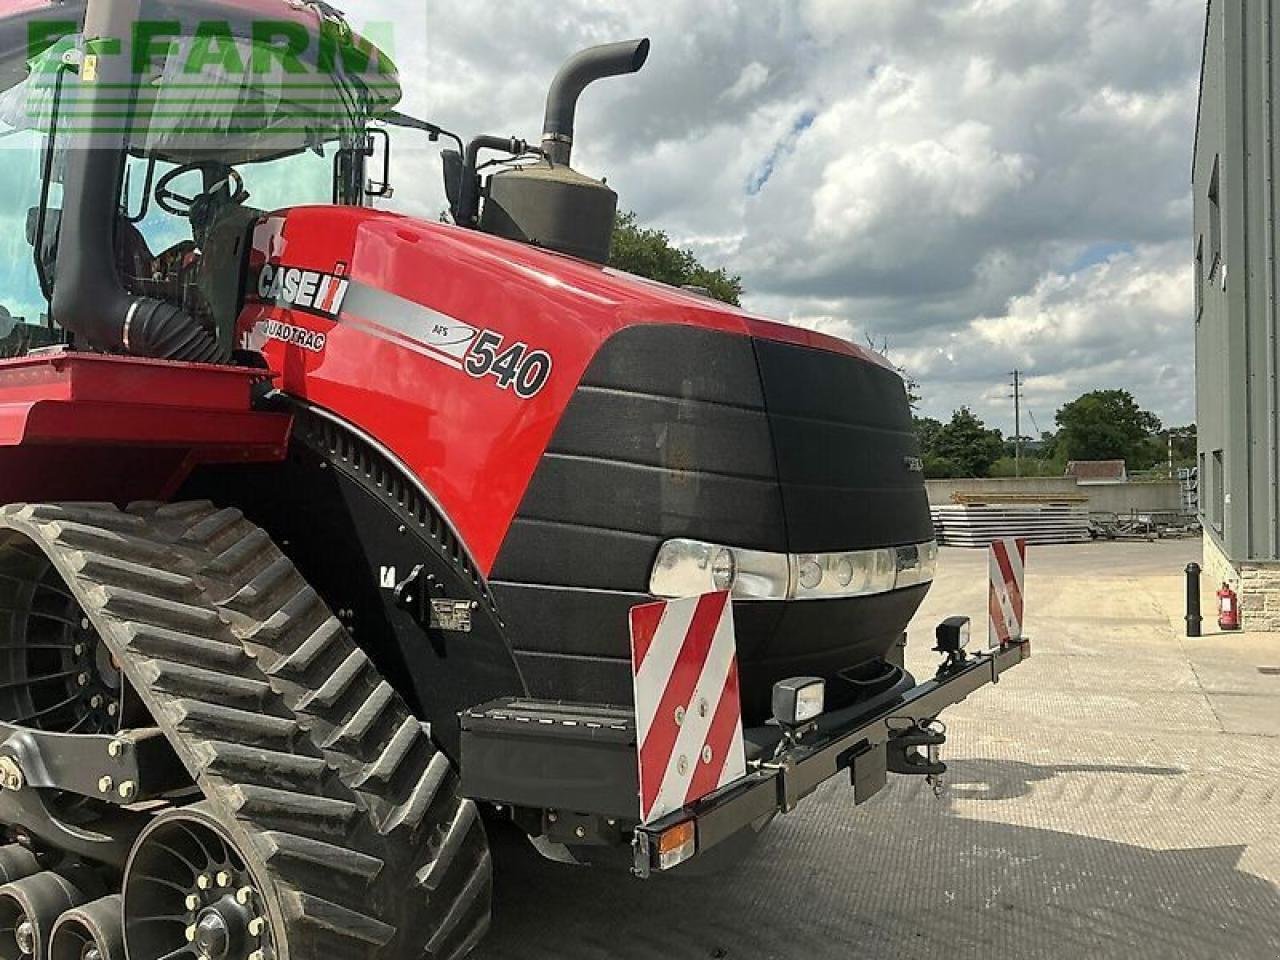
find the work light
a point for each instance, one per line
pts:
(799, 700)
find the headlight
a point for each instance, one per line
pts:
(688, 568)
(916, 564)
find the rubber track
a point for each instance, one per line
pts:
(329, 784)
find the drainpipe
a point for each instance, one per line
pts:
(1273, 346)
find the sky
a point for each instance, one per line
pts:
(979, 185)
(973, 186)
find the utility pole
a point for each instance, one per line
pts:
(1017, 422)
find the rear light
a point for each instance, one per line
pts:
(677, 844)
(689, 568)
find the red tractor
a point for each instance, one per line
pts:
(328, 526)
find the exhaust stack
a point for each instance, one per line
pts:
(579, 72)
(549, 204)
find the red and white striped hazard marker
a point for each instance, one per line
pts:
(1008, 566)
(688, 709)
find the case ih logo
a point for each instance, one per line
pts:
(321, 293)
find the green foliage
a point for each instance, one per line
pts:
(649, 253)
(927, 430)
(1108, 425)
(962, 448)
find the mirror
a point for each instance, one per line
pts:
(379, 143)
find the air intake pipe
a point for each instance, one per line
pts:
(579, 72)
(89, 298)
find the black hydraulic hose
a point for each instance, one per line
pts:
(579, 72)
(89, 298)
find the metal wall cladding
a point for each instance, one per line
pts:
(684, 432)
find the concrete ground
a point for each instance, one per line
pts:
(1116, 796)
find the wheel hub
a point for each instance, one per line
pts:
(214, 934)
(222, 930)
(25, 934)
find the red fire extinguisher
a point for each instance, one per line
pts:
(1228, 608)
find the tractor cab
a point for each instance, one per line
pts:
(167, 130)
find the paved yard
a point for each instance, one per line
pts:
(1116, 796)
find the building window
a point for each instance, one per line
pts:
(1215, 221)
(1200, 279)
(1218, 493)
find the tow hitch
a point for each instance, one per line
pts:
(905, 756)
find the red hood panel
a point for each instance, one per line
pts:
(456, 350)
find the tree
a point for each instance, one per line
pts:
(649, 253)
(1107, 425)
(927, 430)
(909, 383)
(964, 447)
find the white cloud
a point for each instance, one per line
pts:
(981, 183)
(752, 80)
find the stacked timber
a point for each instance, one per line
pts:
(974, 520)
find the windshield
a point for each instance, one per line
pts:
(210, 102)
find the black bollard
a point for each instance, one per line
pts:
(1194, 620)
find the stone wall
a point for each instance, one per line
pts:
(1119, 498)
(1258, 585)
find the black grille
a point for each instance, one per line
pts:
(684, 432)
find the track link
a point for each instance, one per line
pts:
(330, 784)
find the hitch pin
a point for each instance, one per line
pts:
(934, 780)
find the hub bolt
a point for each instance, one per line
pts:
(257, 926)
(258, 955)
(128, 789)
(224, 879)
(244, 896)
(106, 785)
(112, 709)
(204, 882)
(83, 680)
(79, 649)
(193, 902)
(96, 702)
(115, 749)
(191, 933)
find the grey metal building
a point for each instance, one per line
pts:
(1237, 194)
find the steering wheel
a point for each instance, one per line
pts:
(180, 205)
